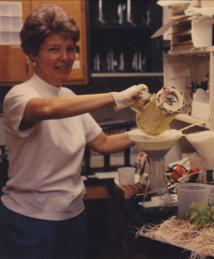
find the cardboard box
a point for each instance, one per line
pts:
(206, 3)
(187, 31)
(200, 110)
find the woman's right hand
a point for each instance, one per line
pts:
(130, 96)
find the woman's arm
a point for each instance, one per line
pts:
(64, 106)
(111, 143)
(67, 106)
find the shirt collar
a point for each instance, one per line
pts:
(45, 87)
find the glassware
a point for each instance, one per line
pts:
(121, 13)
(121, 66)
(97, 62)
(156, 172)
(129, 19)
(100, 12)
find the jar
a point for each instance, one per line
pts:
(155, 115)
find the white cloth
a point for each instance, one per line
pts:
(45, 161)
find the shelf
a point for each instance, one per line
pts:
(181, 33)
(175, 3)
(143, 74)
(189, 119)
(192, 51)
(121, 48)
(120, 27)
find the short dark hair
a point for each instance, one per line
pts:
(43, 21)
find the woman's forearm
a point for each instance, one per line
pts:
(65, 106)
(118, 142)
(111, 143)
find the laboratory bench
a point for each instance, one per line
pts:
(114, 221)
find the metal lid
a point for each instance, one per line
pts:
(170, 99)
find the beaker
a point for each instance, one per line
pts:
(156, 172)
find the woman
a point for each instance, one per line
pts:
(47, 127)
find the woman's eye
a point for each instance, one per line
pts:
(72, 49)
(54, 50)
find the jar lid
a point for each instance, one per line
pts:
(170, 99)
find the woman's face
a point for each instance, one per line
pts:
(55, 59)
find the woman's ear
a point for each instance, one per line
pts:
(33, 59)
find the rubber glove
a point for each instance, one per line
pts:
(130, 96)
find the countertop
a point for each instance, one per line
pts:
(134, 217)
(130, 207)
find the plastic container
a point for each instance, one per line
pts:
(126, 175)
(202, 32)
(191, 195)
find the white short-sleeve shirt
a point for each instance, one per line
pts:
(45, 160)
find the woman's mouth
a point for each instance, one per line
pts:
(63, 68)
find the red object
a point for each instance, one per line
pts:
(178, 172)
(194, 169)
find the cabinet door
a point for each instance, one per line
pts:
(13, 63)
(76, 9)
(127, 26)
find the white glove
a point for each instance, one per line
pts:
(129, 96)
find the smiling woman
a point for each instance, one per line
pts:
(55, 59)
(42, 22)
(51, 47)
(47, 126)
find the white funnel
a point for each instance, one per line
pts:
(159, 143)
(203, 142)
(156, 147)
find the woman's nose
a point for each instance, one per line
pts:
(64, 54)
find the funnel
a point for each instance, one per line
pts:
(203, 142)
(156, 147)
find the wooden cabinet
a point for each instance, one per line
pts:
(13, 63)
(17, 66)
